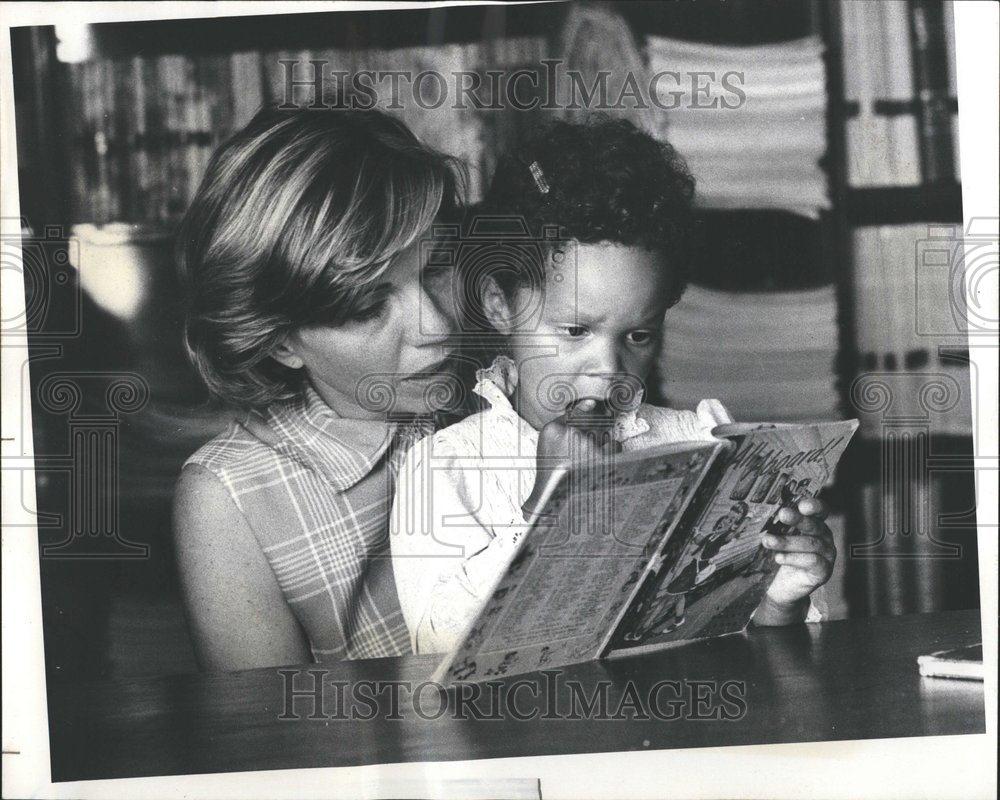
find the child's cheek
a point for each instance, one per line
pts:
(533, 388)
(552, 387)
(640, 366)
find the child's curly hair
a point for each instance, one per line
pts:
(606, 181)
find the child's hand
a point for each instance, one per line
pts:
(806, 558)
(577, 436)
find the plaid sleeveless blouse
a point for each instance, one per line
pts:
(316, 490)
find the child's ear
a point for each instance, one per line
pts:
(496, 307)
(285, 354)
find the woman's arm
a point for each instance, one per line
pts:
(444, 572)
(236, 612)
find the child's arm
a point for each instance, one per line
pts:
(806, 558)
(571, 439)
(444, 560)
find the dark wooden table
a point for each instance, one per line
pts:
(856, 679)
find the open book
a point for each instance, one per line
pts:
(655, 547)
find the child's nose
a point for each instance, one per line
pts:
(604, 360)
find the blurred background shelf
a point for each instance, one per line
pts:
(894, 205)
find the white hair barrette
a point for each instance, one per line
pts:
(539, 176)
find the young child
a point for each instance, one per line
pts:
(608, 209)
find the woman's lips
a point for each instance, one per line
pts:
(432, 371)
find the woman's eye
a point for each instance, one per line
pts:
(369, 313)
(436, 273)
(640, 337)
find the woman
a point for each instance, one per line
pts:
(311, 308)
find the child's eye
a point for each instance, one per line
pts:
(640, 337)
(575, 331)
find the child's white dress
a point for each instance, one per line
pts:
(457, 512)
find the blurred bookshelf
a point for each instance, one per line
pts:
(895, 180)
(895, 205)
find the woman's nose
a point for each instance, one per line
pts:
(436, 318)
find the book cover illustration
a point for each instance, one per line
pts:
(660, 546)
(714, 576)
(579, 565)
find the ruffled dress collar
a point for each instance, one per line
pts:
(496, 385)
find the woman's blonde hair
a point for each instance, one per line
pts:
(296, 216)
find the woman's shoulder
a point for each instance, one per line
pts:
(228, 466)
(233, 448)
(205, 511)
(200, 487)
